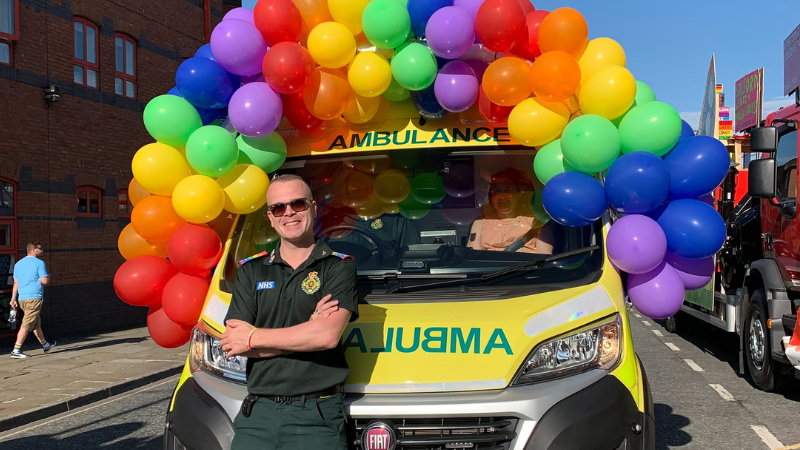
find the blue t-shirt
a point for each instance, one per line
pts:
(27, 272)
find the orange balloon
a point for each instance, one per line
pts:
(136, 192)
(505, 81)
(564, 29)
(131, 245)
(353, 188)
(555, 76)
(314, 12)
(327, 93)
(155, 219)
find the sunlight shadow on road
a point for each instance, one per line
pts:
(112, 437)
(669, 428)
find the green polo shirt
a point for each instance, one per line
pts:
(268, 293)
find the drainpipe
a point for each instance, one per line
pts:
(207, 20)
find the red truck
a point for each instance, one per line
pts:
(756, 291)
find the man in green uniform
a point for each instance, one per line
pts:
(295, 365)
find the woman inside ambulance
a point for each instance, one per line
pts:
(507, 223)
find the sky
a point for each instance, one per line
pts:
(669, 44)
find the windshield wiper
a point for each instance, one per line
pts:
(411, 276)
(533, 265)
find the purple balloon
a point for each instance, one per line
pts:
(241, 14)
(238, 47)
(469, 6)
(636, 244)
(459, 181)
(450, 32)
(456, 86)
(695, 273)
(255, 110)
(457, 212)
(478, 66)
(657, 294)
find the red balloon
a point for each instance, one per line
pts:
(183, 299)
(278, 21)
(294, 108)
(500, 24)
(288, 67)
(194, 248)
(526, 6)
(529, 48)
(165, 332)
(490, 111)
(141, 280)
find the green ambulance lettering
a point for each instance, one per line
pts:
(432, 340)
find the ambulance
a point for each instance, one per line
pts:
(456, 346)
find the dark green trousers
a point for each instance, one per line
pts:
(311, 425)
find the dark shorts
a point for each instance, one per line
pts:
(314, 425)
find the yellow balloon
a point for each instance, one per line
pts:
(361, 109)
(198, 199)
(332, 45)
(348, 13)
(601, 52)
(392, 186)
(245, 188)
(370, 74)
(534, 122)
(609, 91)
(158, 168)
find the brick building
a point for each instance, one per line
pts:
(65, 165)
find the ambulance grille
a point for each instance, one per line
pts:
(465, 433)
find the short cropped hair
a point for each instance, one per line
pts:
(292, 177)
(34, 245)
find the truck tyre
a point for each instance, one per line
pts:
(670, 324)
(758, 354)
(677, 323)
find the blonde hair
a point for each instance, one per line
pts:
(292, 177)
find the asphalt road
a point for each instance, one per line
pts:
(700, 403)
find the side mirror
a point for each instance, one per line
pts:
(764, 139)
(761, 177)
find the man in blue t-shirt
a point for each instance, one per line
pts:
(30, 276)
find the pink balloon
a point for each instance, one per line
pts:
(695, 273)
(657, 294)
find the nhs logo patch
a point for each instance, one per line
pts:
(261, 285)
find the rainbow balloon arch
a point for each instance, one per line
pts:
(311, 61)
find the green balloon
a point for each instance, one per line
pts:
(590, 143)
(267, 153)
(549, 162)
(653, 127)
(386, 23)
(212, 151)
(618, 120)
(644, 94)
(171, 120)
(414, 66)
(428, 188)
(538, 207)
(412, 209)
(396, 93)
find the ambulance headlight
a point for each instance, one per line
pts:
(595, 347)
(207, 356)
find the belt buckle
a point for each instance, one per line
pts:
(283, 399)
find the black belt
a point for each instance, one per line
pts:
(314, 395)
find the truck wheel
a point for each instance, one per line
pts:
(758, 354)
(670, 324)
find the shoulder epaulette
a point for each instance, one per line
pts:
(342, 256)
(256, 256)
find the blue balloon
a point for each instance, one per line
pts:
(205, 52)
(204, 83)
(574, 199)
(422, 10)
(426, 104)
(697, 165)
(637, 183)
(694, 229)
(686, 130)
(207, 115)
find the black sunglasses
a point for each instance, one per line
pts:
(297, 205)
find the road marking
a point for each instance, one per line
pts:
(723, 392)
(15, 400)
(658, 333)
(672, 346)
(772, 442)
(646, 323)
(113, 399)
(694, 365)
(638, 316)
(791, 447)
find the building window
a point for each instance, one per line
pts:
(85, 66)
(5, 52)
(7, 197)
(9, 19)
(90, 201)
(125, 206)
(125, 76)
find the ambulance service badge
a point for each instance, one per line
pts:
(376, 224)
(311, 284)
